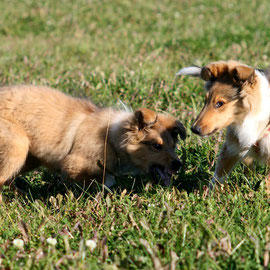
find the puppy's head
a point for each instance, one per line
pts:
(231, 89)
(151, 142)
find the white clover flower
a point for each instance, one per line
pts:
(91, 244)
(51, 241)
(18, 243)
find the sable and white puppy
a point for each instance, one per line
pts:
(237, 97)
(42, 126)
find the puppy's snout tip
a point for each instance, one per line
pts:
(196, 129)
(176, 165)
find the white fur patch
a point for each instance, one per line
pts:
(191, 71)
(265, 97)
(248, 132)
(254, 124)
(117, 120)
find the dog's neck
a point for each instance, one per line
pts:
(123, 163)
(255, 122)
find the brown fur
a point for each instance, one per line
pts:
(42, 126)
(237, 98)
(235, 85)
(224, 83)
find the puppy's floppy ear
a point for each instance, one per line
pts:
(241, 74)
(193, 71)
(145, 118)
(216, 70)
(178, 129)
(207, 75)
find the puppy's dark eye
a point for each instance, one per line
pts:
(219, 104)
(157, 146)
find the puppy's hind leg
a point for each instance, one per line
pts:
(14, 146)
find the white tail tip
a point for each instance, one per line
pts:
(190, 71)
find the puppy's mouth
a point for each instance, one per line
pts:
(158, 173)
(211, 133)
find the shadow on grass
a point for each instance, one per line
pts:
(43, 184)
(191, 182)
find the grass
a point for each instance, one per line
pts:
(110, 50)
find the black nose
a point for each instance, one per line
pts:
(176, 164)
(196, 129)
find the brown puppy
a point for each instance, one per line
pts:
(42, 126)
(237, 97)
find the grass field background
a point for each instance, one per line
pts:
(130, 50)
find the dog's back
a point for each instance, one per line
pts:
(44, 114)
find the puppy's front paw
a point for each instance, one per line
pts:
(216, 182)
(109, 180)
(212, 184)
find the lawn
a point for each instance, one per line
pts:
(131, 50)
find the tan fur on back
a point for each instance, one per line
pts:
(45, 115)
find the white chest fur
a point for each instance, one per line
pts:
(252, 130)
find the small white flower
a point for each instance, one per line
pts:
(51, 241)
(91, 244)
(18, 243)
